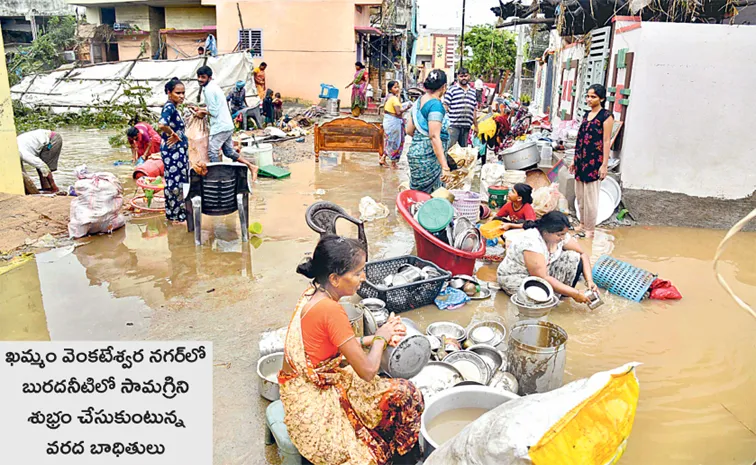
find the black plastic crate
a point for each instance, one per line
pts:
(408, 296)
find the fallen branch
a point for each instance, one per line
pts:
(517, 21)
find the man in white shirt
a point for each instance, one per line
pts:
(41, 149)
(221, 124)
(479, 87)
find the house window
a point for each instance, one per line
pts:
(251, 39)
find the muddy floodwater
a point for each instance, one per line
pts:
(148, 281)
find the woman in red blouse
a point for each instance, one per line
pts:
(592, 157)
(144, 141)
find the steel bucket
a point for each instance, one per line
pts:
(410, 356)
(458, 397)
(536, 355)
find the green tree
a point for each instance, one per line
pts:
(493, 50)
(46, 52)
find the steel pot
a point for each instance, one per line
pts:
(459, 397)
(356, 317)
(409, 356)
(267, 370)
(521, 156)
(410, 273)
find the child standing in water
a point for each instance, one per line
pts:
(277, 107)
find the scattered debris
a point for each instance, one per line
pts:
(371, 210)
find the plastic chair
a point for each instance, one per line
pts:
(321, 217)
(224, 190)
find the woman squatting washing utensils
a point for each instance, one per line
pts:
(592, 152)
(335, 412)
(547, 251)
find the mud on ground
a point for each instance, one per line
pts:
(672, 209)
(29, 217)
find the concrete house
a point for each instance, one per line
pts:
(151, 29)
(305, 43)
(21, 20)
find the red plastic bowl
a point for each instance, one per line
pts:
(429, 247)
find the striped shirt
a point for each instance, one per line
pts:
(461, 105)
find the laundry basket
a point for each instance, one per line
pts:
(467, 204)
(622, 279)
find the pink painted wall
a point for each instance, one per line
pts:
(305, 42)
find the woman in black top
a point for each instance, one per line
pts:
(592, 157)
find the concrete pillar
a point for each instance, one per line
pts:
(11, 180)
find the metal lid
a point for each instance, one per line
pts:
(435, 214)
(498, 189)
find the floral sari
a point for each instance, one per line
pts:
(334, 417)
(359, 92)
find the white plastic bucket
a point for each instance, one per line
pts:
(261, 155)
(546, 154)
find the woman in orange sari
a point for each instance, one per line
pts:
(339, 414)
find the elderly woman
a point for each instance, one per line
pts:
(338, 414)
(547, 251)
(429, 128)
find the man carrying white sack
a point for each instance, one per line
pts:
(41, 149)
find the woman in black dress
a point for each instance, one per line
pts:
(592, 156)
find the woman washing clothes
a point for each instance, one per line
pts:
(429, 128)
(335, 413)
(393, 126)
(592, 152)
(547, 251)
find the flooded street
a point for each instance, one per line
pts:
(149, 281)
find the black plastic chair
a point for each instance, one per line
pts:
(224, 190)
(321, 217)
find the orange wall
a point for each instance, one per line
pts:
(129, 46)
(362, 18)
(305, 42)
(184, 45)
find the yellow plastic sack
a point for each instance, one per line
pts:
(596, 431)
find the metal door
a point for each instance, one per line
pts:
(594, 65)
